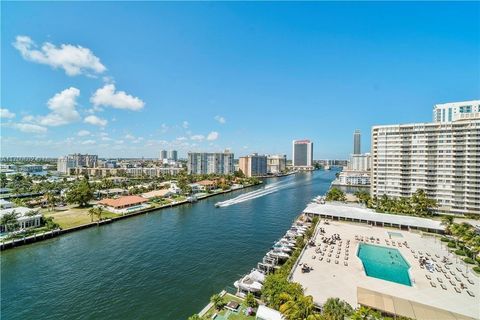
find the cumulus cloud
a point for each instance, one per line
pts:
(96, 121)
(185, 124)
(197, 137)
(182, 138)
(83, 133)
(6, 114)
(220, 119)
(63, 106)
(29, 128)
(107, 96)
(88, 142)
(73, 59)
(212, 136)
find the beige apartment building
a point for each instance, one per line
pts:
(442, 158)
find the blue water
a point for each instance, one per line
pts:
(384, 263)
(163, 265)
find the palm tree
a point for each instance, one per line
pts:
(99, 212)
(9, 221)
(195, 317)
(218, 301)
(300, 308)
(364, 313)
(92, 212)
(336, 309)
(447, 221)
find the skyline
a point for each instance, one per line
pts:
(219, 75)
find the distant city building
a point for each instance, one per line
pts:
(31, 168)
(76, 160)
(163, 155)
(210, 162)
(440, 158)
(253, 165)
(360, 162)
(302, 155)
(354, 178)
(448, 112)
(357, 142)
(173, 155)
(276, 163)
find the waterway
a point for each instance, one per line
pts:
(163, 265)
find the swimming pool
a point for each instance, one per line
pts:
(384, 263)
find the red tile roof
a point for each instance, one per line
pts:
(123, 202)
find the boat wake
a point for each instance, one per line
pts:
(269, 189)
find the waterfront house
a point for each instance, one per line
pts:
(207, 185)
(26, 218)
(124, 204)
(162, 193)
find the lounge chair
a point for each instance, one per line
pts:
(453, 283)
(458, 279)
(345, 263)
(428, 277)
(433, 284)
(452, 273)
(447, 276)
(470, 293)
(440, 280)
(336, 261)
(328, 260)
(458, 290)
(443, 286)
(470, 281)
(458, 269)
(321, 258)
(313, 257)
(337, 256)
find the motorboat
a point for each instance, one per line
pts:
(278, 254)
(252, 282)
(282, 248)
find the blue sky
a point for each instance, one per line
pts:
(128, 79)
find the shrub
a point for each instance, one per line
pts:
(452, 245)
(444, 239)
(469, 260)
(476, 269)
(460, 252)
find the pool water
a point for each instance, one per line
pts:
(384, 263)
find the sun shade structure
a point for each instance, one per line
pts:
(356, 214)
(403, 307)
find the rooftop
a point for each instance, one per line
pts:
(123, 201)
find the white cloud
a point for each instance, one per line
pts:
(63, 108)
(108, 97)
(88, 142)
(182, 138)
(96, 121)
(212, 136)
(185, 124)
(220, 119)
(6, 114)
(164, 128)
(129, 137)
(83, 133)
(29, 128)
(197, 137)
(74, 60)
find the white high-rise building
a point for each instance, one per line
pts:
(442, 158)
(302, 155)
(360, 162)
(276, 163)
(210, 162)
(76, 160)
(448, 112)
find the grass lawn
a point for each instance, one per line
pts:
(227, 314)
(74, 216)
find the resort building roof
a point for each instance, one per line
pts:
(206, 183)
(352, 213)
(265, 313)
(403, 307)
(123, 202)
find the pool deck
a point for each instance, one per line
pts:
(328, 279)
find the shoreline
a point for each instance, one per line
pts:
(11, 244)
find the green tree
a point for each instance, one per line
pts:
(364, 313)
(195, 317)
(92, 212)
(335, 194)
(422, 204)
(81, 193)
(9, 221)
(217, 301)
(250, 301)
(302, 307)
(336, 309)
(447, 221)
(98, 212)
